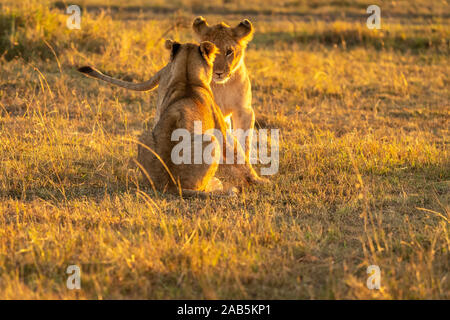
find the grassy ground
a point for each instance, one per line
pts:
(364, 164)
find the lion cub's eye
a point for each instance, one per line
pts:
(229, 52)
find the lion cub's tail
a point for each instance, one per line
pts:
(143, 86)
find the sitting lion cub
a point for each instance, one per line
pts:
(185, 99)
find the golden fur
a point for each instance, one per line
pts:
(231, 89)
(231, 84)
(184, 97)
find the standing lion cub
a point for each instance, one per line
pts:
(231, 84)
(184, 98)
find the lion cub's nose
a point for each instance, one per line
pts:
(219, 74)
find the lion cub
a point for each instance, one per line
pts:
(231, 83)
(185, 99)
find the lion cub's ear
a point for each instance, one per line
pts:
(173, 46)
(208, 50)
(243, 31)
(200, 26)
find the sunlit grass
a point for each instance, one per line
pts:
(364, 164)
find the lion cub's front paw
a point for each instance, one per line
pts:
(214, 185)
(261, 181)
(233, 192)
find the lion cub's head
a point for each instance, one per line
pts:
(231, 43)
(191, 63)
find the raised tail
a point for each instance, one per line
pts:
(143, 86)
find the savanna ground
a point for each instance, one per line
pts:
(364, 166)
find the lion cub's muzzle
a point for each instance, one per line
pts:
(221, 77)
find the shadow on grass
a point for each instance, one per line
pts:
(353, 38)
(341, 10)
(79, 179)
(15, 41)
(18, 36)
(70, 193)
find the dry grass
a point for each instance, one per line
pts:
(364, 165)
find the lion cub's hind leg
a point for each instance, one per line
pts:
(200, 180)
(214, 185)
(214, 189)
(150, 165)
